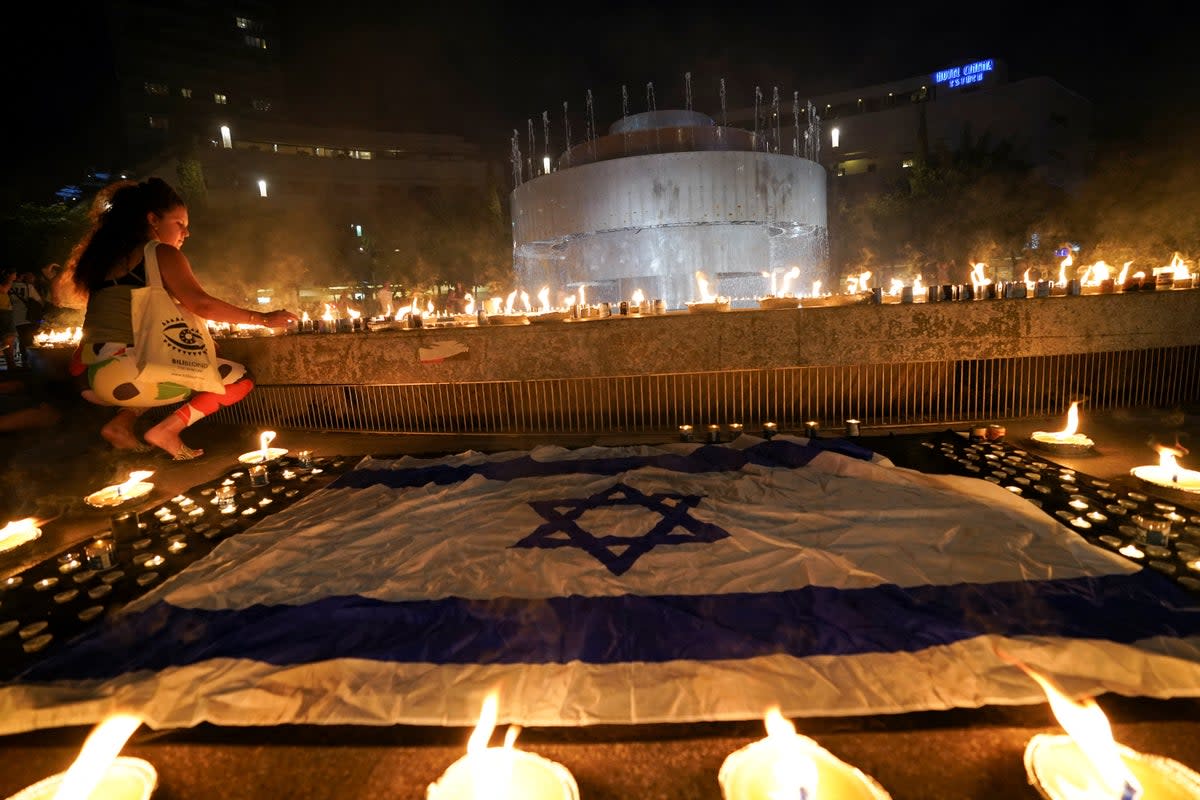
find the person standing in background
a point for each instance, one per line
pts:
(8, 329)
(29, 310)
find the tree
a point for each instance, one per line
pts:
(977, 202)
(35, 234)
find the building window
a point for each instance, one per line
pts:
(835, 136)
(158, 122)
(363, 154)
(185, 93)
(906, 163)
(155, 88)
(220, 99)
(246, 24)
(256, 42)
(259, 104)
(841, 170)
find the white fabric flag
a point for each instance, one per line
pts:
(627, 585)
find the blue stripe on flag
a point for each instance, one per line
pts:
(707, 458)
(604, 630)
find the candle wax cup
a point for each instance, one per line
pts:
(1054, 761)
(747, 774)
(507, 774)
(126, 779)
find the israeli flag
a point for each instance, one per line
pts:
(627, 585)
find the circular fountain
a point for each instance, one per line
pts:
(663, 195)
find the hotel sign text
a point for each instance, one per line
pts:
(956, 77)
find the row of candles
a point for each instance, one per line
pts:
(1096, 277)
(89, 574)
(1087, 762)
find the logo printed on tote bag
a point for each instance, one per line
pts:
(178, 335)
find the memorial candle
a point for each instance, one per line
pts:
(501, 773)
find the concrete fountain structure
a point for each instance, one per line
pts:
(666, 194)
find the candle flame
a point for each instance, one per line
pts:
(354, 313)
(638, 297)
(98, 752)
(543, 296)
(1072, 422)
(509, 301)
(1062, 268)
(1085, 722)
(1124, 272)
(487, 723)
(788, 277)
(469, 308)
(702, 285)
(977, 277)
(17, 533)
(330, 313)
(305, 318)
(582, 295)
(137, 476)
(1178, 268)
(264, 439)
(917, 287)
(793, 771)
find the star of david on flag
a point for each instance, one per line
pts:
(617, 552)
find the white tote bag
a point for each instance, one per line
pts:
(173, 345)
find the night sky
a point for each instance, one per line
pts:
(481, 70)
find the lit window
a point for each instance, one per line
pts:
(186, 93)
(155, 88)
(841, 171)
(259, 104)
(226, 138)
(220, 99)
(906, 163)
(363, 154)
(835, 136)
(158, 122)
(262, 188)
(256, 42)
(245, 23)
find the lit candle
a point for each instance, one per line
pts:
(852, 427)
(769, 429)
(786, 764)
(119, 493)
(18, 533)
(1088, 762)
(264, 452)
(714, 433)
(1067, 439)
(1168, 472)
(685, 433)
(501, 773)
(98, 772)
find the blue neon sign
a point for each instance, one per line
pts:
(965, 75)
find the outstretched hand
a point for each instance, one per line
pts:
(279, 318)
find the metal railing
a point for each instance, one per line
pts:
(879, 395)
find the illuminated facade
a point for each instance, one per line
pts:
(882, 130)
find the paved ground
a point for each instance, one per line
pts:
(966, 753)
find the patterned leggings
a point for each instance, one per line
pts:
(112, 375)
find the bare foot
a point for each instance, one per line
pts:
(166, 435)
(119, 430)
